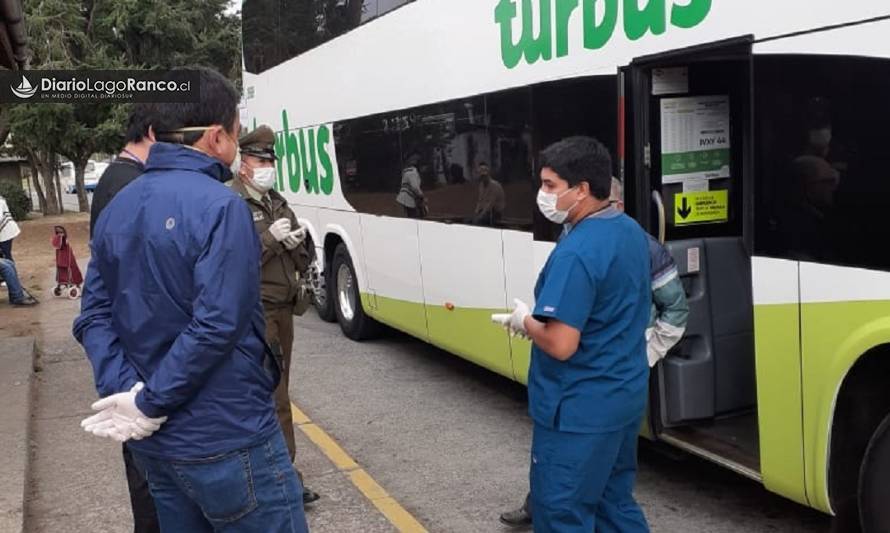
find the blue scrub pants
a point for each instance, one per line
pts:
(584, 482)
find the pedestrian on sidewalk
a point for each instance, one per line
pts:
(185, 373)
(285, 261)
(126, 167)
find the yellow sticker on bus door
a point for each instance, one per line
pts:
(699, 207)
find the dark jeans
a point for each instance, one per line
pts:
(10, 276)
(246, 491)
(145, 518)
(6, 249)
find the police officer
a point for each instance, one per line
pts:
(588, 379)
(286, 257)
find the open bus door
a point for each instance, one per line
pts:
(687, 169)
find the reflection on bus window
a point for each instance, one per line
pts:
(274, 31)
(823, 163)
(470, 156)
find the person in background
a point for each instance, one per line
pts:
(410, 193)
(126, 167)
(129, 163)
(286, 258)
(491, 201)
(172, 323)
(18, 296)
(9, 230)
(588, 379)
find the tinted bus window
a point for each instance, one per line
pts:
(469, 159)
(586, 106)
(823, 179)
(274, 31)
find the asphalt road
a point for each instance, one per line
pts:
(450, 441)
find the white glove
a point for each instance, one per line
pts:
(294, 238)
(120, 419)
(514, 322)
(280, 228)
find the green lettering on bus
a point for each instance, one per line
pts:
(326, 180)
(637, 23)
(303, 155)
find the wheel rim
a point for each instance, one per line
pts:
(319, 287)
(345, 294)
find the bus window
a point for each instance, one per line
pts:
(585, 106)
(274, 31)
(469, 159)
(823, 166)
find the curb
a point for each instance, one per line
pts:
(18, 357)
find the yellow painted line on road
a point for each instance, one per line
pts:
(377, 495)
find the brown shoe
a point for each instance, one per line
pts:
(518, 518)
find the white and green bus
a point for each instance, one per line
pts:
(753, 137)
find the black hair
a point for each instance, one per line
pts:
(140, 119)
(577, 159)
(217, 104)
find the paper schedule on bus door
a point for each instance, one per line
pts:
(694, 139)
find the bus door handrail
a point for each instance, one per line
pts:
(659, 204)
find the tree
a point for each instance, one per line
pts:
(110, 34)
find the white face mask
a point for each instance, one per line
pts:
(236, 163)
(263, 178)
(547, 204)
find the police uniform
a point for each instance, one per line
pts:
(283, 272)
(587, 410)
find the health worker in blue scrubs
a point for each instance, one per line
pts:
(588, 379)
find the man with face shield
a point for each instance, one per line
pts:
(172, 323)
(587, 384)
(285, 260)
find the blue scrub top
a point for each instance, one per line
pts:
(597, 281)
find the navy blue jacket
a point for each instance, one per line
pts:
(172, 299)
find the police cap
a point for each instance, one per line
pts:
(259, 143)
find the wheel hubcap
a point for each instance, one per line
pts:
(345, 294)
(319, 290)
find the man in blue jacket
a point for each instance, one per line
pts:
(172, 323)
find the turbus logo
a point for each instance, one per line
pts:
(599, 21)
(304, 159)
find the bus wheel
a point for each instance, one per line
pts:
(347, 301)
(322, 298)
(874, 481)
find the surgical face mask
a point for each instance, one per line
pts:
(263, 178)
(547, 204)
(236, 163)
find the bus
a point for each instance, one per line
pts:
(751, 137)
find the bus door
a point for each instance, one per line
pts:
(686, 167)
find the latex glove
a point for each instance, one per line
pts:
(279, 229)
(514, 322)
(120, 419)
(294, 238)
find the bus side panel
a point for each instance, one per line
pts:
(520, 271)
(778, 367)
(845, 312)
(463, 284)
(392, 257)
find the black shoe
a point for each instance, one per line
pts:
(27, 301)
(517, 518)
(309, 496)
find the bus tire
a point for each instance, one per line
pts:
(874, 481)
(323, 295)
(347, 300)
